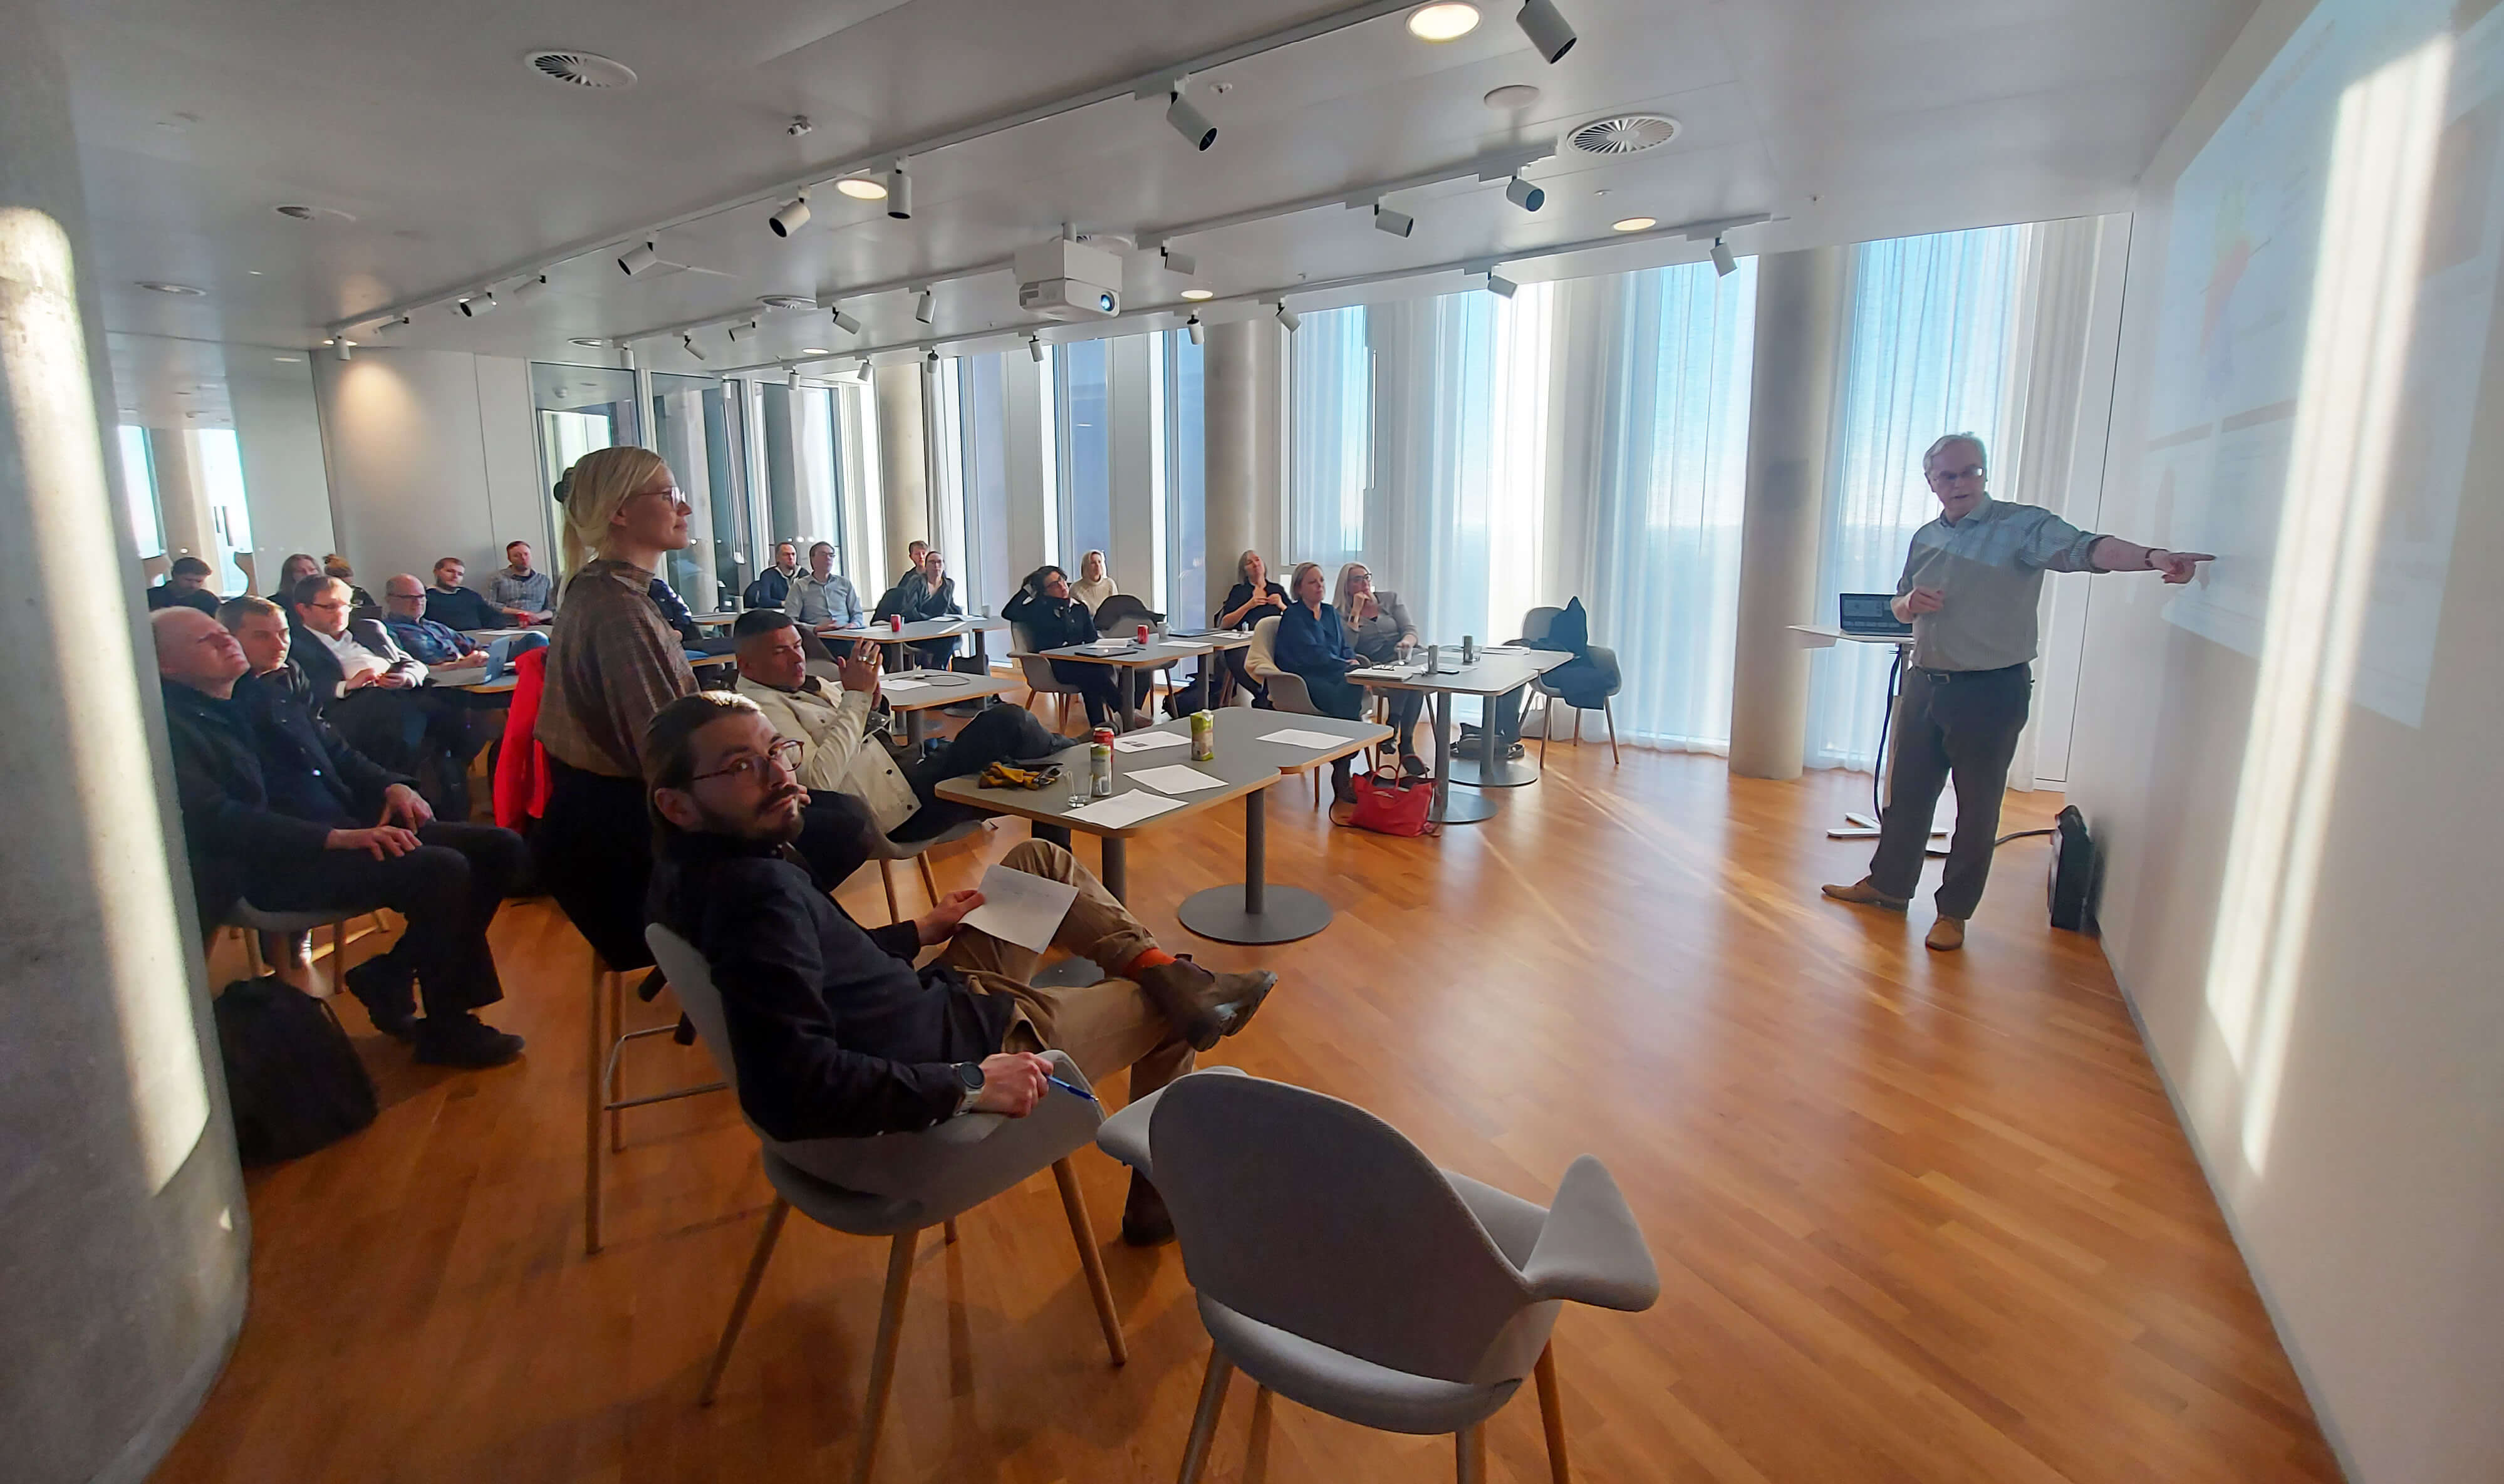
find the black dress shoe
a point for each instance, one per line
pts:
(388, 993)
(1145, 1222)
(464, 1041)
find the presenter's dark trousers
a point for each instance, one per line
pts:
(1960, 725)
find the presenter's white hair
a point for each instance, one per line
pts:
(1947, 441)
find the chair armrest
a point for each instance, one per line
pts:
(1124, 1135)
(1591, 1251)
(959, 1162)
(1605, 661)
(1287, 693)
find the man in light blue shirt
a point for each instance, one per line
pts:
(1972, 583)
(818, 595)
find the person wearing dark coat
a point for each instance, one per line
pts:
(186, 586)
(1052, 618)
(280, 810)
(926, 593)
(1311, 644)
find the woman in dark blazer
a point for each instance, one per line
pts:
(1312, 644)
(1252, 599)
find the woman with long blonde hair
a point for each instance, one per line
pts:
(1094, 584)
(1252, 599)
(1378, 629)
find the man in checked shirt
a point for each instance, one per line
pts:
(1971, 588)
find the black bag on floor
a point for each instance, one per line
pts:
(2073, 873)
(293, 1080)
(1188, 699)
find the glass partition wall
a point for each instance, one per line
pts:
(700, 427)
(575, 409)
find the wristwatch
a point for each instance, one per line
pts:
(969, 1080)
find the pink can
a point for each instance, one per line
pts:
(1143, 634)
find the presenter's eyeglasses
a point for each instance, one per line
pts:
(1939, 476)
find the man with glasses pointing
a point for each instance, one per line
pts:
(1971, 589)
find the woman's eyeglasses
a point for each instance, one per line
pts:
(783, 754)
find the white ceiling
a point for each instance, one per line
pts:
(1848, 120)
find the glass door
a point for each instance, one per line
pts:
(700, 427)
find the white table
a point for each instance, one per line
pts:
(1490, 674)
(922, 632)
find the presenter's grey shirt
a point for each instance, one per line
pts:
(1987, 568)
(831, 602)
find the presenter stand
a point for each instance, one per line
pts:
(1857, 825)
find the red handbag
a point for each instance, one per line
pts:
(1388, 803)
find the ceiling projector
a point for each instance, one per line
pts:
(1066, 279)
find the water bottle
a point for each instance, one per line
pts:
(1468, 649)
(1204, 736)
(1434, 659)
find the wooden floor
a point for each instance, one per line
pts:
(1919, 1217)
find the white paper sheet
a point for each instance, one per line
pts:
(1388, 673)
(1148, 741)
(1174, 778)
(1021, 909)
(1293, 738)
(1122, 809)
(898, 682)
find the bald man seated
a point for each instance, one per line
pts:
(279, 811)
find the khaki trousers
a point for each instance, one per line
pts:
(1103, 1026)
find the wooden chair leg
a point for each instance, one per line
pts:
(1546, 719)
(887, 879)
(617, 1079)
(930, 883)
(1610, 715)
(251, 951)
(1203, 1421)
(1469, 1452)
(592, 1100)
(339, 955)
(948, 1230)
(1073, 1204)
(747, 1286)
(882, 1357)
(1551, 1415)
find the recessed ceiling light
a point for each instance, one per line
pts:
(184, 290)
(862, 188)
(1511, 96)
(254, 272)
(813, 349)
(1448, 20)
(288, 359)
(1634, 223)
(786, 302)
(591, 345)
(1197, 294)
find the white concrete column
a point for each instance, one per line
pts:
(1799, 310)
(182, 508)
(903, 466)
(123, 1254)
(1242, 365)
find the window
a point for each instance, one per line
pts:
(1085, 428)
(982, 557)
(1333, 437)
(579, 408)
(139, 489)
(216, 460)
(699, 428)
(1186, 598)
(802, 469)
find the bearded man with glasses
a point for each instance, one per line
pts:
(1971, 586)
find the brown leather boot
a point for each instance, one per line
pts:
(1204, 1006)
(1861, 894)
(1145, 1222)
(1947, 935)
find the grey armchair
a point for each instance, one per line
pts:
(1036, 672)
(1339, 1267)
(1608, 680)
(896, 1186)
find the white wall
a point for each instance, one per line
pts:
(2351, 1116)
(430, 454)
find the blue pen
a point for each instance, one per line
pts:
(1073, 1088)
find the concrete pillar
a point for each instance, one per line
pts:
(183, 508)
(123, 1258)
(1242, 365)
(903, 465)
(1799, 314)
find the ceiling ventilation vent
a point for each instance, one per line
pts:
(1622, 134)
(581, 69)
(786, 302)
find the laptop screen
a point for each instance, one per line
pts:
(1869, 613)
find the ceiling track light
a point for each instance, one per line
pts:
(930, 360)
(864, 369)
(1034, 348)
(1500, 287)
(1189, 121)
(689, 341)
(478, 304)
(794, 215)
(1198, 332)
(793, 380)
(739, 332)
(846, 322)
(1546, 26)
(389, 327)
(924, 307)
(1724, 264)
(1520, 192)
(1180, 264)
(526, 288)
(899, 192)
(637, 261)
(1288, 317)
(1399, 224)
(343, 348)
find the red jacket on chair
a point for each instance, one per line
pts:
(521, 765)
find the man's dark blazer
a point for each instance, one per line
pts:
(322, 668)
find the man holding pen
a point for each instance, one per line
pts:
(1970, 589)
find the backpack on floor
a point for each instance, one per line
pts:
(293, 1079)
(2073, 873)
(1387, 803)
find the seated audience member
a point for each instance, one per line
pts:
(186, 586)
(524, 594)
(926, 593)
(679, 617)
(1378, 630)
(362, 602)
(368, 687)
(773, 585)
(914, 552)
(822, 596)
(1094, 584)
(276, 809)
(455, 607)
(294, 570)
(1312, 644)
(834, 1032)
(406, 617)
(1054, 619)
(1252, 599)
(841, 751)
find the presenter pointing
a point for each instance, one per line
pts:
(1969, 590)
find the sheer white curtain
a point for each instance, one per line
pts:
(1331, 472)
(1932, 349)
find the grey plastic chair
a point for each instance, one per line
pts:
(886, 852)
(1036, 672)
(1284, 689)
(898, 1185)
(253, 921)
(1534, 628)
(1339, 1267)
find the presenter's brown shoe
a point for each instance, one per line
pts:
(1947, 935)
(1861, 894)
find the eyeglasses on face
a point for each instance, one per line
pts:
(783, 754)
(1952, 475)
(670, 493)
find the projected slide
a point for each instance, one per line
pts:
(2328, 287)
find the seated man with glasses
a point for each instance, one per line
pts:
(834, 1032)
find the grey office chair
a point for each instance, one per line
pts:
(1284, 689)
(253, 921)
(896, 1186)
(1036, 672)
(886, 852)
(1534, 628)
(1339, 1267)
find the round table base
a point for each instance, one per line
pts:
(1464, 809)
(1218, 913)
(1503, 772)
